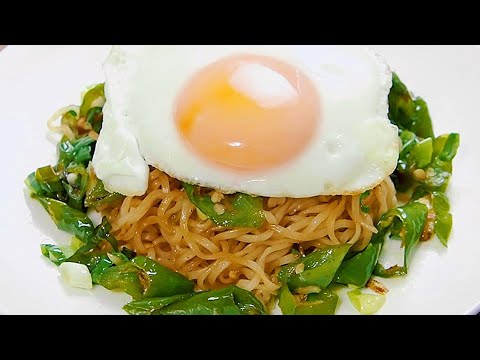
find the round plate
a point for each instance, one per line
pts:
(38, 80)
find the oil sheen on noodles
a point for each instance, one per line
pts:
(164, 225)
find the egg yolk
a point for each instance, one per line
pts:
(248, 113)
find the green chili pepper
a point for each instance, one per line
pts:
(68, 219)
(54, 253)
(323, 303)
(77, 187)
(245, 210)
(437, 176)
(126, 277)
(129, 254)
(97, 195)
(421, 154)
(150, 306)
(228, 301)
(90, 253)
(422, 151)
(161, 280)
(408, 113)
(433, 155)
(406, 222)
(444, 150)
(358, 269)
(317, 269)
(443, 217)
(91, 258)
(78, 152)
(246, 302)
(49, 180)
(103, 233)
(99, 267)
(409, 140)
(46, 182)
(33, 185)
(286, 301)
(446, 146)
(145, 278)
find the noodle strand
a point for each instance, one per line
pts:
(164, 225)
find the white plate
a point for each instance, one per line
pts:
(36, 81)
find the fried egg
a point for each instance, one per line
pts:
(278, 121)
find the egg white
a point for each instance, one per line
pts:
(353, 150)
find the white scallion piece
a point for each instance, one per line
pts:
(76, 275)
(366, 304)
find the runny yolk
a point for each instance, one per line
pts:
(248, 113)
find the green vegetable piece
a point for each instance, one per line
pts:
(78, 152)
(54, 253)
(247, 302)
(358, 270)
(450, 143)
(103, 233)
(86, 237)
(245, 210)
(409, 139)
(400, 104)
(76, 244)
(93, 98)
(33, 185)
(97, 195)
(406, 222)
(365, 209)
(319, 268)
(95, 118)
(323, 303)
(422, 123)
(76, 188)
(444, 150)
(118, 258)
(408, 113)
(46, 182)
(393, 271)
(49, 181)
(68, 219)
(161, 280)
(421, 154)
(366, 304)
(150, 306)
(228, 301)
(286, 301)
(436, 178)
(126, 277)
(129, 254)
(443, 218)
(103, 263)
(402, 179)
(89, 253)
(145, 278)
(90, 256)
